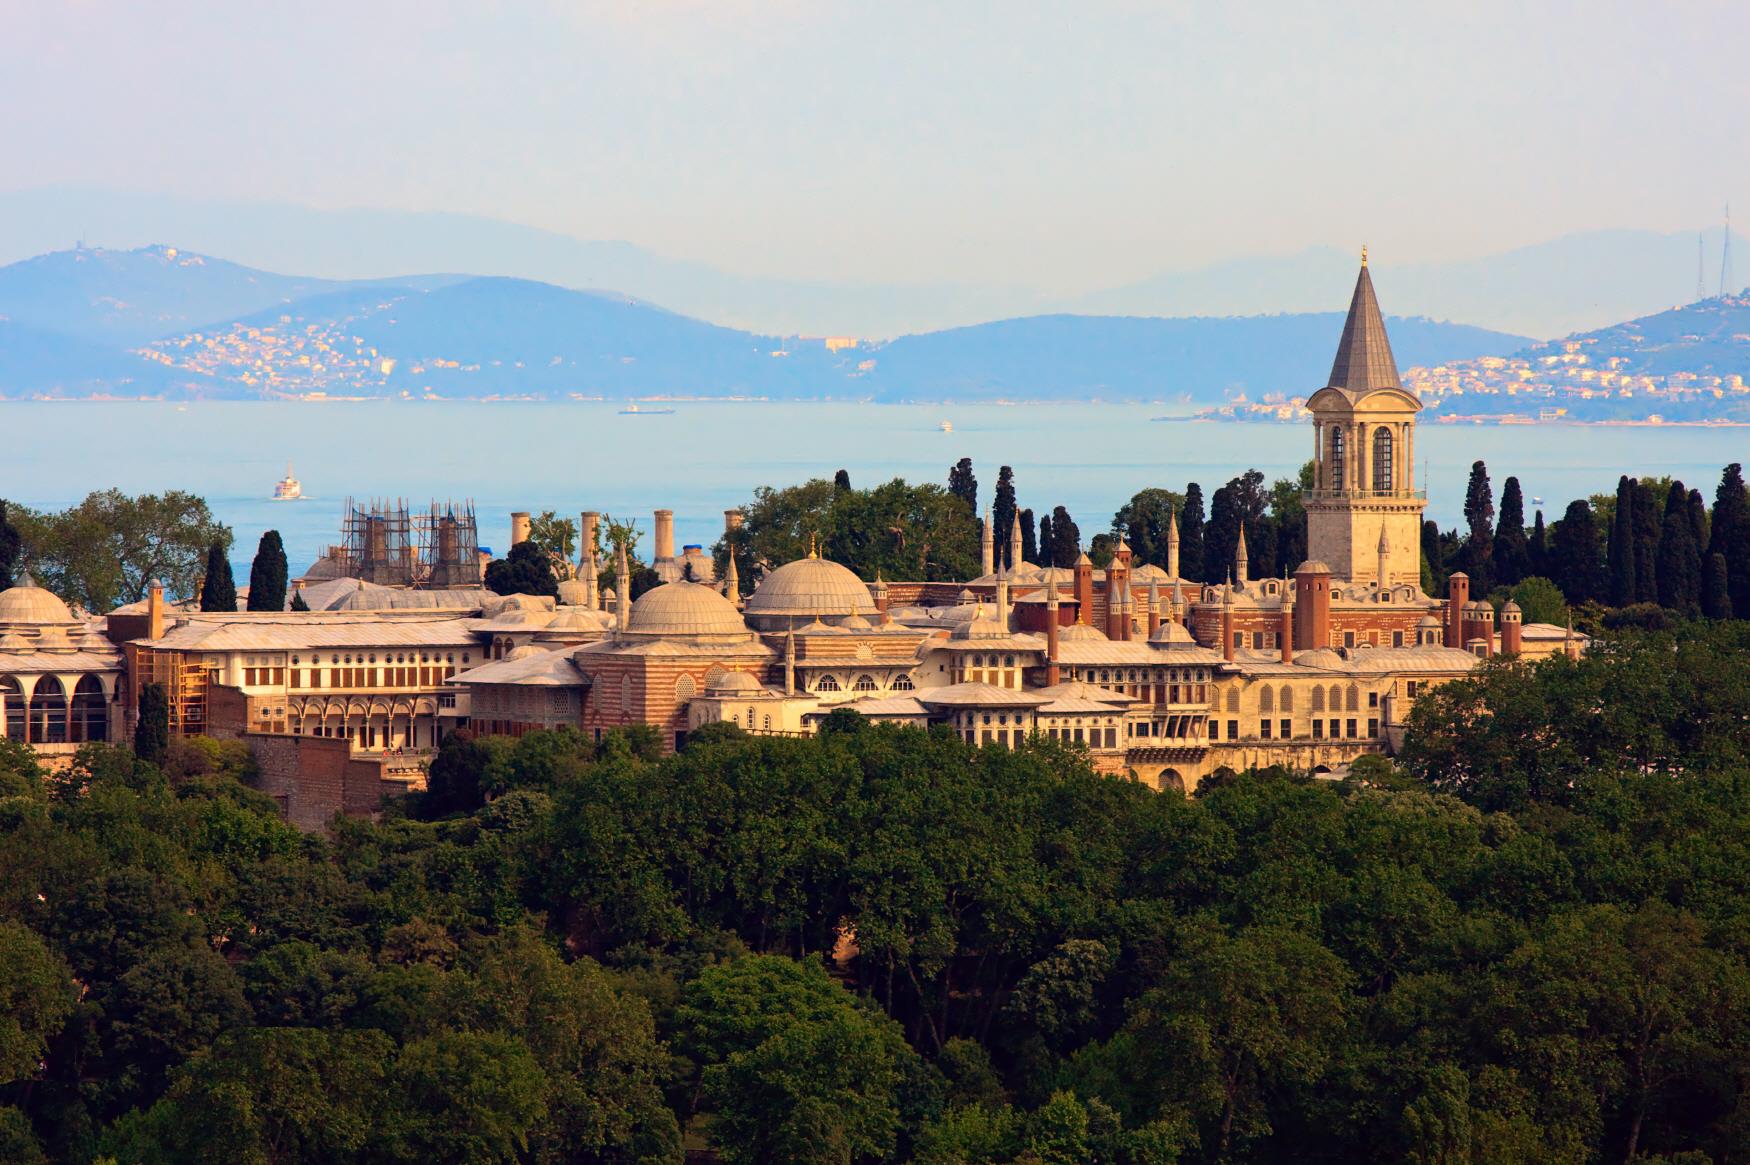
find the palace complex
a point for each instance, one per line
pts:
(1162, 679)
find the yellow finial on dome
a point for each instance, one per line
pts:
(1364, 254)
(813, 545)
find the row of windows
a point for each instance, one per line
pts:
(1333, 729)
(863, 683)
(398, 657)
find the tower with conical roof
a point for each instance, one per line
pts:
(1363, 513)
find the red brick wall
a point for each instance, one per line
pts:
(315, 777)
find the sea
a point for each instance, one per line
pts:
(704, 458)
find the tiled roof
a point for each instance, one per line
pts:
(551, 669)
(1364, 361)
(290, 632)
(975, 695)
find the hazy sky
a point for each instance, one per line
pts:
(1064, 146)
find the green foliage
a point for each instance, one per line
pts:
(110, 547)
(1540, 601)
(556, 535)
(218, 591)
(1144, 521)
(11, 548)
(36, 996)
(526, 570)
(152, 727)
(267, 574)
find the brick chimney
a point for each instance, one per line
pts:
(1457, 598)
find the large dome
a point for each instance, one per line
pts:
(32, 604)
(684, 608)
(811, 588)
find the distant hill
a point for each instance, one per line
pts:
(1581, 281)
(1709, 337)
(1191, 361)
(487, 337)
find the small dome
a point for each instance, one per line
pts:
(730, 683)
(1511, 608)
(1429, 622)
(1171, 634)
(16, 644)
(28, 603)
(967, 598)
(981, 626)
(1081, 632)
(1313, 566)
(811, 586)
(684, 608)
(572, 593)
(525, 651)
(54, 639)
(856, 623)
(578, 619)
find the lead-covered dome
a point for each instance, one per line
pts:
(809, 588)
(684, 608)
(31, 604)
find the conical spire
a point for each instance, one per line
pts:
(1364, 360)
(1240, 561)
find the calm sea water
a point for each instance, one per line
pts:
(707, 457)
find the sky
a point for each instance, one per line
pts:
(1063, 146)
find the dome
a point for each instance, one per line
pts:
(1313, 566)
(1171, 634)
(525, 651)
(1511, 608)
(1429, 621)
(980, 626)
(730, 683)
(16, 644)
(1149, 572)
(572, 593)
(811, 587)
(857, 623)
(684, 608)
(1081, 632)
(27, 603)
(578, 619)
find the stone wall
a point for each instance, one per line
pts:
(314, 777)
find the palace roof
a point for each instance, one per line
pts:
(1364, 360)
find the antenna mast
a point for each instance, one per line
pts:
(1726, 254)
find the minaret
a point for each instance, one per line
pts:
(1227, 622)
(1052, 671)
(1154, 607)
(590, 577)
(790, 660)
(623, 587)
(1015, 559)
(987, 553)
(1384, 550)
(1285, 628)
(1241, 571)
(1172, 544)
(1178, 600)
(1003, 602)
(732, 581)
(879, 591)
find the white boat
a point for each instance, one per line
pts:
(946, 426)
(289, 489)
(632, 410)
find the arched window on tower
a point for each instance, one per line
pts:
(12, 695)
(1382, 458)
(1336, 457)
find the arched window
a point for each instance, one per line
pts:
(864, 683)
(1266, 699)
(903, 684)
(1318, 699)
(1336, 698)
(48, 712)
(684, 687)
(1354, 702)
(827, 684)
(1287, 700)
(90, 711)
(1233, 699)
(13, 697)
(1335, 458)
(1382, 458)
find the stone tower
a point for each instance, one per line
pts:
(1364, 512)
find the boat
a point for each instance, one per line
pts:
(289, 489)
(946, 426)
(632, 410)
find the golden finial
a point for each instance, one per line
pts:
(813, 545)
(1364, 254)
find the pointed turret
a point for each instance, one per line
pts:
(1172, 544)
(1241, 573)
(1015, 559)
(623, 585)
(732, 581)
(1364, 360)
(1384, 550)
(986, 548)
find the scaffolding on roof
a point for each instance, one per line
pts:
(448, 546)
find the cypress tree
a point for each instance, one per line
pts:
(1029, 538)
(1511, 558)
(1221, 536)
(1649, 521)
(1623, 589)
(1716, 594)
(962, 484)
(298, 603)
(1066, 539)
(152, 728)
(1477, 558)
(1045, 541)
(1576, 555)
(1730, 536)
(1679, 564)
(1002, 514)
(841, 481)
(267, 574)
(1537, 550)
(1191, 534)
(1433, 559)
(218, 591)
(11, 546)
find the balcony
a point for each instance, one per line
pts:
(1341, 495)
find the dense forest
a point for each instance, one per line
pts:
(1526, 940)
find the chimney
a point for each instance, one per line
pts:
(1172, 544)
(1312, 614)
(1457, 598)
(1154, 608)
(1003, 603)
(987, 553)
(519, 527)
(1052, 672)
(732, 520)
(790, 660)
(879, 591)
(664, 535)
(155, 613)
(1227, 622)
(1285, 629)
(1512, 629)
(1085, 590)
(588, 526)
(623, 588)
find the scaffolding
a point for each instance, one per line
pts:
(376, 543)
(448, 547)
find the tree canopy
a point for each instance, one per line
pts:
(109, 548)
